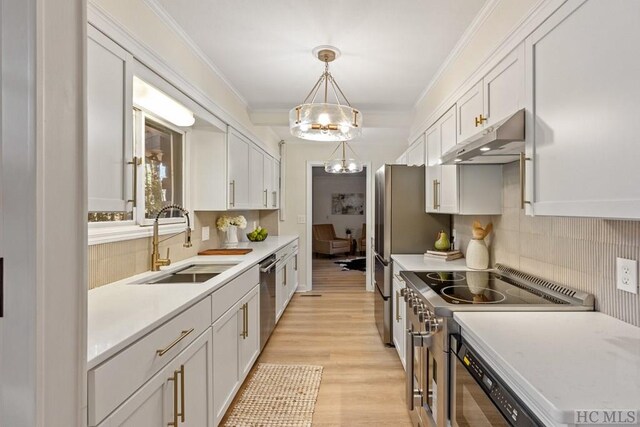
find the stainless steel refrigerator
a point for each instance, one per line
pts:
(401, 227)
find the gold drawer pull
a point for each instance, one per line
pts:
(182, 336)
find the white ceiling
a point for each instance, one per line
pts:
(390, 49)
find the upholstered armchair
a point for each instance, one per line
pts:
(326, 242)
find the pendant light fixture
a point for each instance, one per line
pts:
(325, 121)
(343, 164)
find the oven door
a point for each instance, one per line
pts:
(425, 372)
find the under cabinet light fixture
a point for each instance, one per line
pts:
(156, 102)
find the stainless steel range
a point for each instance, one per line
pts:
(433, 297)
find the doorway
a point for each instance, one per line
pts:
(338, 235)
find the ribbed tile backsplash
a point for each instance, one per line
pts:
(110, 262)
(577, 252)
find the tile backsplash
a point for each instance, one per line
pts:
(110, 262)
(577, 252)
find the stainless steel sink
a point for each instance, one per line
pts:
(191, 274)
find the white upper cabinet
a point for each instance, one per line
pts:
(441, 185)
(256, 176)
(583, 101)
(109, 124)
(504, 88)
(267, 180)
(499, 94)
(275, 186)
(470, 108)
(238, 174)
(208, 154)
(415, 153)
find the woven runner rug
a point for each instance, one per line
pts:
(278, 395)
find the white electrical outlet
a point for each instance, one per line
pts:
(302, 219)
(627, 275)
(205, 233)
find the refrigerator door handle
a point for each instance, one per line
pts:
(381, 259)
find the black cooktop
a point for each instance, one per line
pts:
(482, 287)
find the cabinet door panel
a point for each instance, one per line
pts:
(469, 106)
(504, 87)
(398, 320)
(432, 170)
(281, 291)
(238, 153)
(447, 124)
(226, 357)
(256, 174)
(448, 189)
(198, 387)
(109, 124)
(583, 92)
(250, 344)
(415, 153)
(267, 179)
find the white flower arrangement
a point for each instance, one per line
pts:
(225, 221)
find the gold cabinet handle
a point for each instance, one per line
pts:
(523, 177)
(182, 410)
(266, 197)
(435, 190)
(174, 423)
(232, 184)
(398, 306)
(480, 120)
(274, 195)
(182, 336)
(246, 322)
(244, 334)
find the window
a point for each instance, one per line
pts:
(162, 167)
(152, 174)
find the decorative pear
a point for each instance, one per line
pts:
(442, 244)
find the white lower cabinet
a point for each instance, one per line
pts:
(236, 344)
(179, 395)
(398, 318)
(286, 278)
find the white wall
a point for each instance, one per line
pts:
(497, 25)
(323, 189)
(152, 32)
(297, 154)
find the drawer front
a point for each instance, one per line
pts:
(112, 382)
(232, 292)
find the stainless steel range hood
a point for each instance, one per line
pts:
(500, 143)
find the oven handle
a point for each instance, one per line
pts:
(409, 357)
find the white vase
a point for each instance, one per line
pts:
(232, 236)
(477, 255)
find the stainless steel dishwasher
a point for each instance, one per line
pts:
(267, 298)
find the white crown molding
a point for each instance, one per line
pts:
(107, 24)
(177, 28)
(520, 31)
(462, 43)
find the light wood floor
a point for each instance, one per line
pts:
(333, 326)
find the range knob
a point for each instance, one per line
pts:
(418, 307)
(408, 293)
(434, 324)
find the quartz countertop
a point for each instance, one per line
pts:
(120, 313)
(560, 362)
(419, 263)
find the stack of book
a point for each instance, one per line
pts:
(443, 255)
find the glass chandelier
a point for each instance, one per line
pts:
(324, 121)
(343, 164)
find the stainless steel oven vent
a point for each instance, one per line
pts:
(583, 297)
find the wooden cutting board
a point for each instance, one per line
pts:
(226, 251)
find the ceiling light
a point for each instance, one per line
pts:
(342, 164)
(457, 160)
(485, 149)
(156, 102)
(324, 121)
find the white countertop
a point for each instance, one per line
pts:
(121, 313)
(418, 263)
(560, 362)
